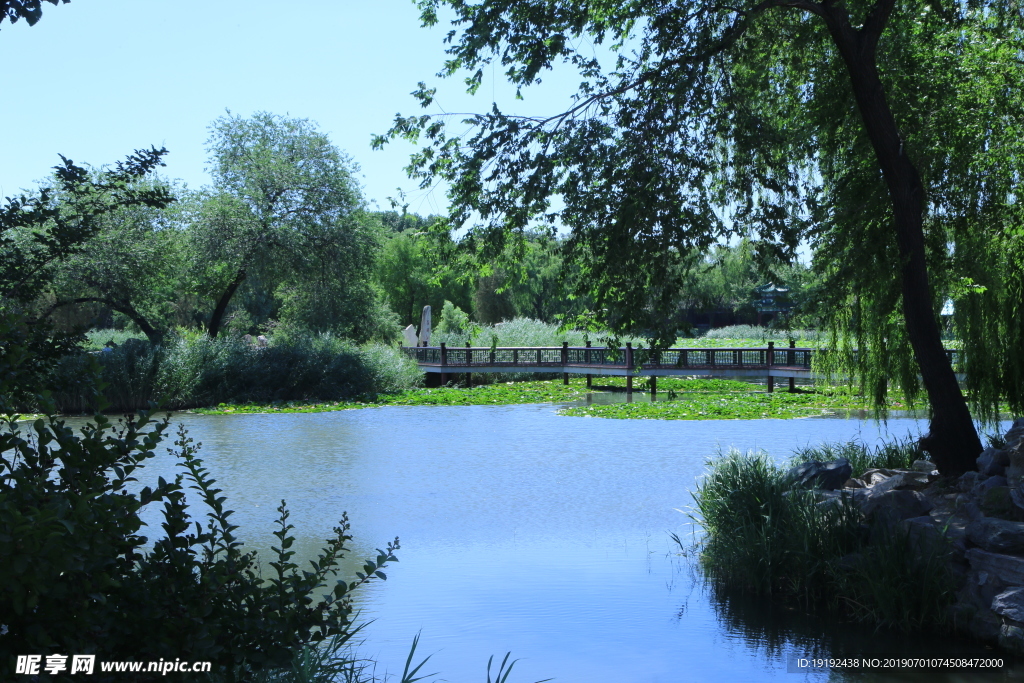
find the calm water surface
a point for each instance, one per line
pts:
(528, 532)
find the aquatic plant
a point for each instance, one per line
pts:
(762, 536)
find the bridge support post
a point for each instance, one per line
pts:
(654, 386)
(587, 359)
(565, 362)
(629, 370)
(791, 360)
(770, 362)
(469, 361)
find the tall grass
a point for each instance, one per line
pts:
(898, 454)
(762, 536)
(765, 538)
(520, 332)
(191, 370)
(759, 333)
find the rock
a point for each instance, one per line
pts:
(993, 461)
(828, 476)
(968, 480)
(989, 482)
(409, 336)
(926, 466)
(1010, 604)
(854, 484)
(1007, 570)
(1011, 636)
(895, 505)
(850, 562)
(425, 327)
(248, 339)
(997, 502)
(903, 480)
(876, 476)
(1015, 434)
(262, 342)
(997, 535)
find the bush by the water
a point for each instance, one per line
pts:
(191, 369)
(763, 536)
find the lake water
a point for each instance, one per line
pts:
(529, 532)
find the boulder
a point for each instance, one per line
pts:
(854, 484)
(997, 535)
(968, 480)
(926, 466)
(1016, 433)
(1010, 603)
(993, 461)
(1011, 637)
(894, 505)
(903, 480)
(996, 501)
(828, 476)
(876, 476)
(1007, 570)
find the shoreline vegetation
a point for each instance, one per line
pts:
(299, 372)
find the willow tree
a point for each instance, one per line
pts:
(883, 132)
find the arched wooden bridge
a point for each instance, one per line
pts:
(769, 362)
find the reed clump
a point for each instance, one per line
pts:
(763, 536)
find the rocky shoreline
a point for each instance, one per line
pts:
(978, 518)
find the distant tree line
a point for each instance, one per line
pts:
(282, 236)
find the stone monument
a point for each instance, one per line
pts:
(409, 335)
(425, 327)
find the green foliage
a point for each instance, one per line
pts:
(764, 538)
(191, 369)
(285, 217)
(81, 580)
(454, 321)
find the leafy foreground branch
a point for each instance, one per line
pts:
(79, 580)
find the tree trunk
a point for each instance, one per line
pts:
(952, 438)
(222, 305)
(154, 335)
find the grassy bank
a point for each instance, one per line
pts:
(762, 537)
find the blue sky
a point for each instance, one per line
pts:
(96, 79)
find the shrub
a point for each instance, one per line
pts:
(77, 578)
(190, 370)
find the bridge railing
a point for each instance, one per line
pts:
(599, 356)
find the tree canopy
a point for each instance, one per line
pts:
(285, 207)
(884, 133)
